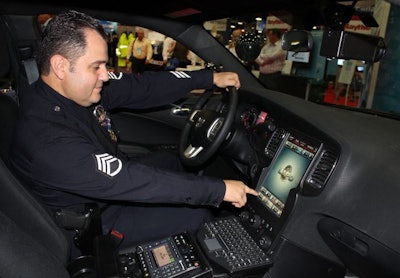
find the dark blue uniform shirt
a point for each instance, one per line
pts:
(59, 154)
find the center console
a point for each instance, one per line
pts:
(237, 245)
(174, 256)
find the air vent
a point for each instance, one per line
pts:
(320, 173)
(274, 143)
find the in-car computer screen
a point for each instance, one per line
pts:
(285, 173)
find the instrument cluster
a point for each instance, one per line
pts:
(259, 126)
(252, 117)
(257, 121)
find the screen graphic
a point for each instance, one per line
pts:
(285, 173)
(162, 255)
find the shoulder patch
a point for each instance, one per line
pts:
(180, 74)
(113, 76)
(108, 164)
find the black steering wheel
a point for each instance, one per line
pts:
(206, 129)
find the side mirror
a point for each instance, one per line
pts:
(297, 41)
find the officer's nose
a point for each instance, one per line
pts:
(104, 74)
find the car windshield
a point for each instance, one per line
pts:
(322, 75)
(346, 83)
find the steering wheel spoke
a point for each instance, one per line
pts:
(191, 151)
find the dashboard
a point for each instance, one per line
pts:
(261, 144)
(281, 162)
(318, 188)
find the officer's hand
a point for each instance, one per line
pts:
(225, 79)
(236, 192)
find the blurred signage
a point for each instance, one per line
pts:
(216, 25)
(155, 36)
(280, 22)
(357, 26)
(300, 57)
(109, 26)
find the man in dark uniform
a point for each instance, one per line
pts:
(65, 146)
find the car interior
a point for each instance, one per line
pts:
(327, 177)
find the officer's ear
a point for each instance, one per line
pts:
(59, 65)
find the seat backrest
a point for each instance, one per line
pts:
(30, 241)
(31, 244)
(8, 101)
(8, 119)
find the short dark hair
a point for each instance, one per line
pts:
(65, 35)
(276, 32)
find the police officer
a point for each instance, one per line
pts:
(65, 143)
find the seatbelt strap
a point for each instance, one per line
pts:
(31, 70)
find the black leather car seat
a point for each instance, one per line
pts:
(32, 244)
(8, 118)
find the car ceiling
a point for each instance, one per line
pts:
(193, 11)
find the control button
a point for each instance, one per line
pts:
(255, 221)
(265, 242)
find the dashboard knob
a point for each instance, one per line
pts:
(264, 242)
(139, 250)
(255, 221)
(244, 216)
(271, 126)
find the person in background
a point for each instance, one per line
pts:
(219, 38)
(140, 52)
(179, 57)
(167, 52)
(234, 38)
(271, 60)
(144, 198)
(181, 53)
(121, 51)
(194, 59)
(131, 37)
(112, 46)
(44, 19)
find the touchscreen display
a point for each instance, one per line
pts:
(162, 255)
(285, 173)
